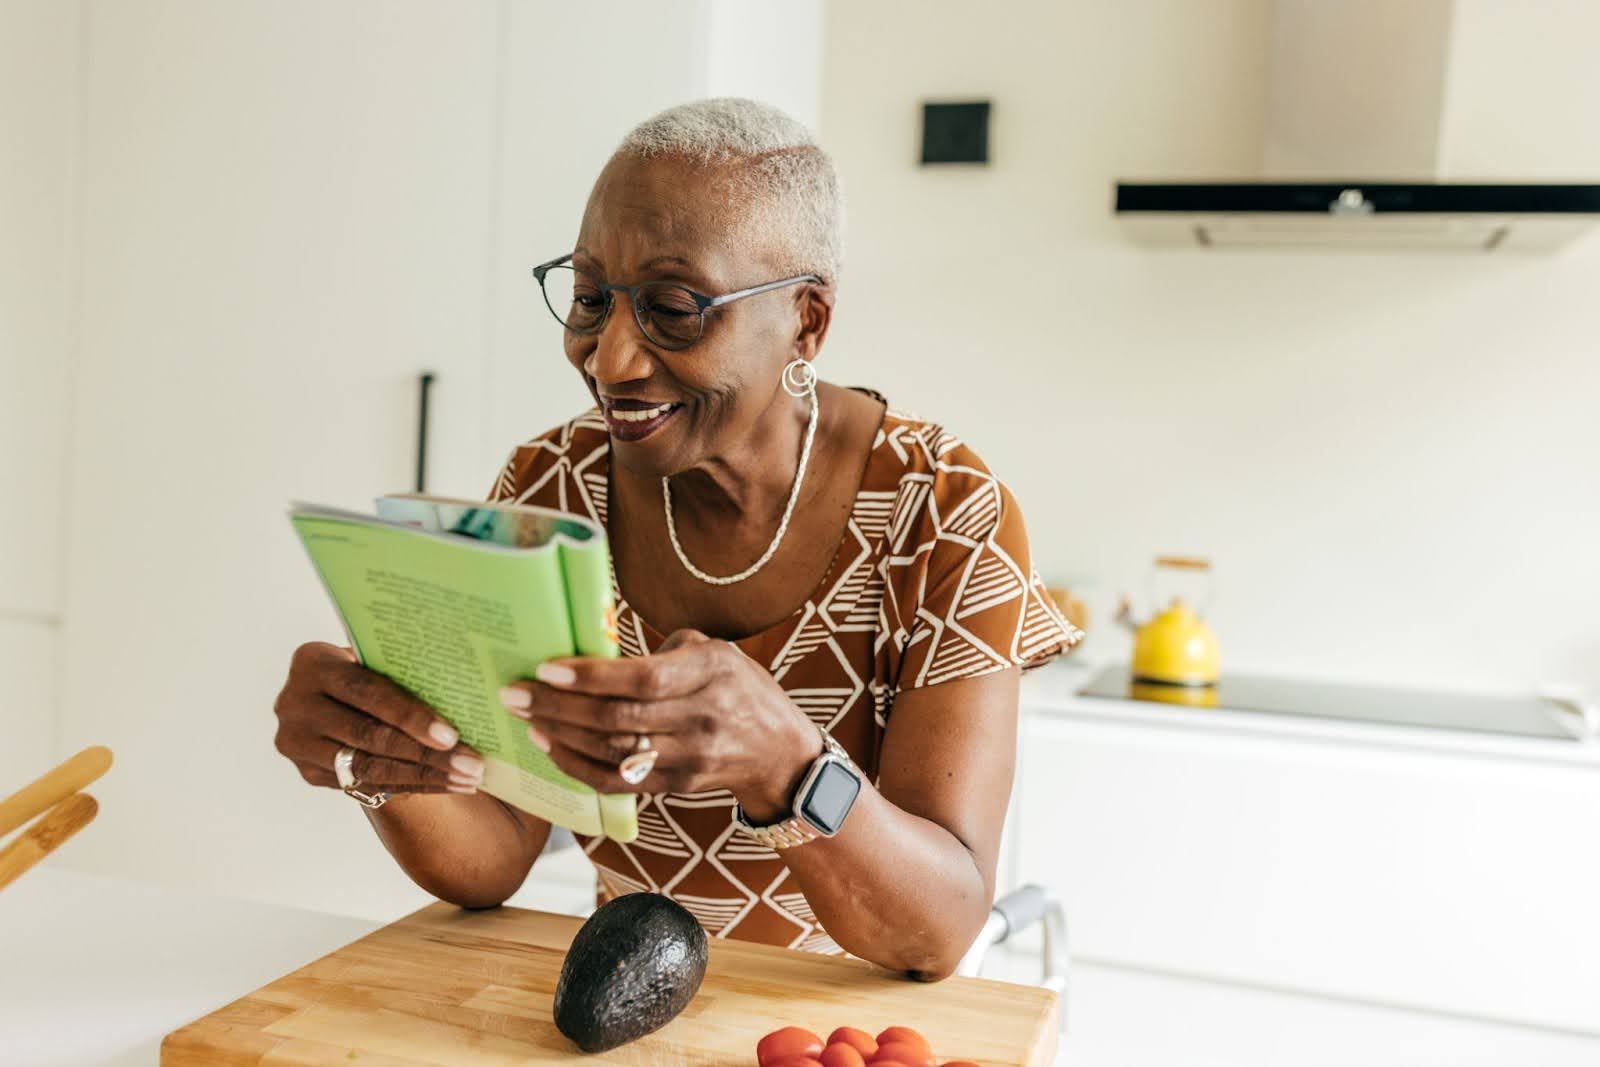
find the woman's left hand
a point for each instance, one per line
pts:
(716, 719)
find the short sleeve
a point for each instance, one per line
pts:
(979, 606)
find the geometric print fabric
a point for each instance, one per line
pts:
(932, 582)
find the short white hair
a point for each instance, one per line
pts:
(773, 159)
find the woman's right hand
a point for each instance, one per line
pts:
(401, 745)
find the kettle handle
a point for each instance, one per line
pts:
(1184, 563)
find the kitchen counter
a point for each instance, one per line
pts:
(94, 970)
(1054, 691)
(97, 969)
(1424, 868)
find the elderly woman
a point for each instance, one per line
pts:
(824, 605)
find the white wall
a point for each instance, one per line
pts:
(551, 153)
(1390, 457)
(289, 209)
(38, 112)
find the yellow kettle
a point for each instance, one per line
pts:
(1175, 647)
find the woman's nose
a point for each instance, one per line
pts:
(621, 353)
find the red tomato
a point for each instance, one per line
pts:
(890, 1063)
(794, 1061)
(903, 1035)
(859, 1040)
(785, 1043)
(842, 1055)
(906, 1053)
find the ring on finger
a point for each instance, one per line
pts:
(344, 773)
(636, 768)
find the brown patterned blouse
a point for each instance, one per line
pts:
(932, 582)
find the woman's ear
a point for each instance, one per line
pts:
(815, 302)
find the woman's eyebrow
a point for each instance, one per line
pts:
(685, 270)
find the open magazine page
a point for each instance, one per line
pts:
(453, 621)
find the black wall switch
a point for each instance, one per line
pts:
(955, 133)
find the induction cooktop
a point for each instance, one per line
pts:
(1528, 716)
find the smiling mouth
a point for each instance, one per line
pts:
(634, 420)
(638, 414)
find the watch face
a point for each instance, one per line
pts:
(830, 798)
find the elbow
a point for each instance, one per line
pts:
(938, 961)
(936, 973)
(472, 895)
(936, 967)
(927, 958)
(475, 901)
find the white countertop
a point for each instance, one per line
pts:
(1053, 691)
(95, 971)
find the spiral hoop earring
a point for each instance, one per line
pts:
(799, 378)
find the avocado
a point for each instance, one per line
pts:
(633, 966)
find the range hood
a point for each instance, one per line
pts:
(1357, 214)
(1375, 115)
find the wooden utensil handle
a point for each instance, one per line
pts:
(42, 838)
(53, 787)
(1184, 563)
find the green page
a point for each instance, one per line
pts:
(453, 616)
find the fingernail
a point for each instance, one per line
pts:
(467, 766)
(456, 787)
(555, 674)
(539, 739)
(514, 698)
(444, 734)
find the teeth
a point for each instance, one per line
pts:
(640, 416)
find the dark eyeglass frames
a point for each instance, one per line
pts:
(669, 314)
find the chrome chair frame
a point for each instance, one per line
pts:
(1012, 914)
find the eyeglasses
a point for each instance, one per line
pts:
(670, 315)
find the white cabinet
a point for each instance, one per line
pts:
(285, 218)
(27, 680)
(37, 105)
(37, 110)
(1321, 859)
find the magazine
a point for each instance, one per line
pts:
(454, 599)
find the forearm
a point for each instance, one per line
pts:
(895, 888)
(473, 851)
(908, 881)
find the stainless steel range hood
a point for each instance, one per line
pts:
(1376, 134)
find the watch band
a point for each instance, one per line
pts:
(790, 833)
(797, 829)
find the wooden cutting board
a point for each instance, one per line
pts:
(444, 986)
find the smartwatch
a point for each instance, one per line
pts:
(824, 799)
